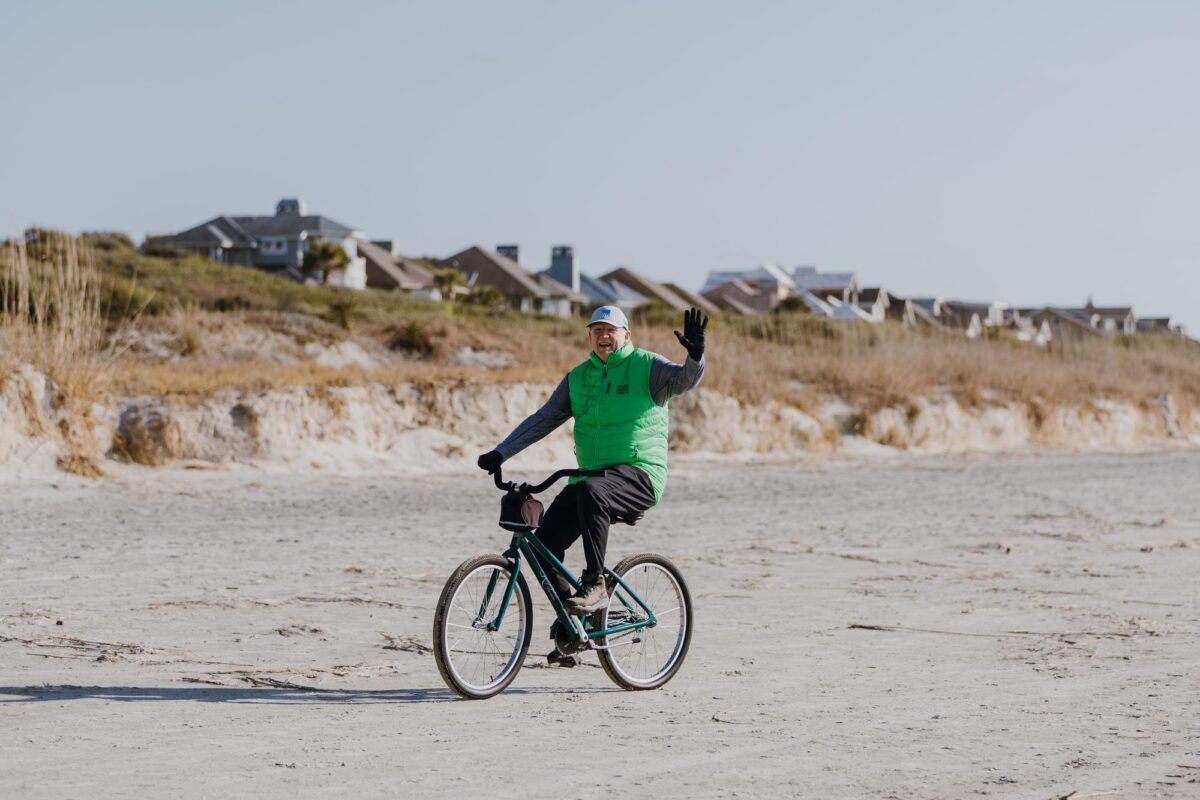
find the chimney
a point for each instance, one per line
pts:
(509, 251)
(290, 207)
(562, 266)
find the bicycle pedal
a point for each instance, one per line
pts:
(557, 659)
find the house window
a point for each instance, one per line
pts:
(274, 245)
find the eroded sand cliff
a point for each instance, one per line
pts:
(432, 427)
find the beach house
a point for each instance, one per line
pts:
(274, 243)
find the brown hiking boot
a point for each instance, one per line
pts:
(592, 596)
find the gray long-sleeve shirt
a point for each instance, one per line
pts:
(667, 380)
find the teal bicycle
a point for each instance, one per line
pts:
(484, 619)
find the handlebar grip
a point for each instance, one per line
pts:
(500, 482)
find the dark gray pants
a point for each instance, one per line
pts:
(587, 509)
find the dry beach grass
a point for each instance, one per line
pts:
(50, 309)
(103, 320)
(803, 360)
(50, 318)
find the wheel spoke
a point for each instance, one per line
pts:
(480, 659)
(641, 658)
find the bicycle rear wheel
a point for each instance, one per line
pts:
(475, 660)
(646, 658)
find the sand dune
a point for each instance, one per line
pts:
(419, 428)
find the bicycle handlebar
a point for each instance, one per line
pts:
(525, 488)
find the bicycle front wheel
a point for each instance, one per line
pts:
(649, 657)
(477, 656)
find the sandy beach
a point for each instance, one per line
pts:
(918, 627)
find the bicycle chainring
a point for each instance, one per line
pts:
(566, 642)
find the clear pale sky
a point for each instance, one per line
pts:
(1033, 152)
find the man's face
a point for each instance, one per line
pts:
(606, 338)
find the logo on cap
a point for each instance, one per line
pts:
(610, 314)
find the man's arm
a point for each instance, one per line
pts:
(668, 379)
(540, 423)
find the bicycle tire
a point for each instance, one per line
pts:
(614, 661)
(450, 612)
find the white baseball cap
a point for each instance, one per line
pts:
(610, 314)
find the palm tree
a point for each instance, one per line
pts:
(445, 280)
(321, 258)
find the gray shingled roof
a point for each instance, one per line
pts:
(556, 289)
(404, 273)
(598, 292)
(768, 272)
(869, 296)
(642, 284)
(474, 258)
(604, 293)
(217, 232)
(813, 281)
(923, 314)
(969, 306)
(697, 300)
(722, 297)
(288, 225)
(729, 295)
(244, 231)
(1069, 316)
(1105, 312)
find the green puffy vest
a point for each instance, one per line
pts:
(616, 419)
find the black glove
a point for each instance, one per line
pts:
(490, 461)
(692, 337)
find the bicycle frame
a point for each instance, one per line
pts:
(527, 547)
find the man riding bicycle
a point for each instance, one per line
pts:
(618, 398)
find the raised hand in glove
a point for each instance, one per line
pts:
(692, 337)
(490, 461)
